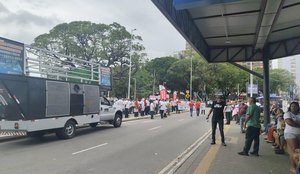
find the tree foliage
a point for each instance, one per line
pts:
(109, 45)
(280, 80)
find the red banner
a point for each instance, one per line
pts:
(163, 94)
(174, 95)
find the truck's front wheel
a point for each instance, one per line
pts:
(117, 120)
(68, 131)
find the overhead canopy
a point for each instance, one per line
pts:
(236, 30)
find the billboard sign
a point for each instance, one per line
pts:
(105, 80)
(254, 88)
(11, 57)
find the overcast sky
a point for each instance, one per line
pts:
(23, 20)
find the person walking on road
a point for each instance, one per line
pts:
(163, 109)
(191, 105)
(252, 124)
(202, 107)
(217, 108)
(152, 109)
(126, 106)
(136, 108)
(197, 106)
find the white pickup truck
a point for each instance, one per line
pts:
(38, 106)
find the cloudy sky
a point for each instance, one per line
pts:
(23, 20)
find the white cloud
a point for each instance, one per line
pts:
(24, 20)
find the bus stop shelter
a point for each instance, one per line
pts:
(238, 31)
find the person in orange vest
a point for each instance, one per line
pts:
(136, 108)
(197, 106)
(191, 104)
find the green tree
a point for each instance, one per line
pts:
(225, 78)
(280, 80)
(158, 69)
(109, 45)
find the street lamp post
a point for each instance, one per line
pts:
(134, 88)
(130, 54)
(191, 79)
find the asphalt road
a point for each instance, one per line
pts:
(137, 147)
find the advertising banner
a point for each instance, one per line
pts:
(11, 57)
(162, 92)
(105, 80)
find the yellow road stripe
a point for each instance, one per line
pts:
(210, 155)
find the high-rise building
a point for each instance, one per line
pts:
(292, 64)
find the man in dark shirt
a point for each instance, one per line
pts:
(218, 118)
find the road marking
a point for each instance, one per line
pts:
(104, 144)
(154, 128)
(209, 157)
(173, 166)
(181, 120)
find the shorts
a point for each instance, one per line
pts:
(291, 136)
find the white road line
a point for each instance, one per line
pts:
(104, 144)
(154, 128)
(181, 120)
(178, 161)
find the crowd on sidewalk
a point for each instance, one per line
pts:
(151, 107)
(283, 133)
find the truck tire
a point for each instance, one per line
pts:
(93, 124)
(117, 120)
(36, 134)
(68, 131)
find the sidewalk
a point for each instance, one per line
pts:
(226, 160)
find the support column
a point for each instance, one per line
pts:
(266, 89)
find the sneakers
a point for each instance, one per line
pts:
(254, 153)
(212, 143)
(243, 153)
(224, 144)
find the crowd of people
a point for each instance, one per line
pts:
(163, 107)
(284, 133)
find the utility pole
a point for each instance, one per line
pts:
(153, 83)
(130, 55)
(251, 81)
(191, 79)
(134, 88)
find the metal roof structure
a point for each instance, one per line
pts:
(236, 30)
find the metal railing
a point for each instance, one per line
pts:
(47, 64)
